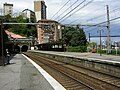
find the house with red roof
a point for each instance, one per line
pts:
(13, 35)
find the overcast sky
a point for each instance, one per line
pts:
(93, 13)
(87, 14)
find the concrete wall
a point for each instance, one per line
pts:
(104, 67)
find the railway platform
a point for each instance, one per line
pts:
(24, 74)
(86, 56)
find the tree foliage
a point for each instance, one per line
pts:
(74, 36)
(24, 30)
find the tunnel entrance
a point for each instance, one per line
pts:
(16, 49)
(24, 48)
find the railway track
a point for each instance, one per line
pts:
(76, 78)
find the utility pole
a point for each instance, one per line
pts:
(108, 33)
(1, 11)
(2, 45)
(100, 41)
(89, 37)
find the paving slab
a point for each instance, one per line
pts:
(22, 75)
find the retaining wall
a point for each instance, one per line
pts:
(104, 67)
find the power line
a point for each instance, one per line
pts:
(76, 11)
(72, 10)
(61, 8)
(104, 22)
(106, 36)
(104, 14)
(67, 9)
(98, 25)
(5, 23)
(95, 11)
(115, 10)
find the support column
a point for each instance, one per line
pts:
(2, 44)
(108, 34)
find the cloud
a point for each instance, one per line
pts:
(87, 15)
(19, 5)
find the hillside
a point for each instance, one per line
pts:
(24, 30)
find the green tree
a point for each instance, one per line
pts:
(24, 30)
(7, 18)
(74, 36)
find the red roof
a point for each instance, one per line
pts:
(13, 35)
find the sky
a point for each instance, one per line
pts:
(93, 13)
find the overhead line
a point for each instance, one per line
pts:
(72, 10)
(106, 36)
(89, 26)
(84, 16)
(103, 14)
(78, 10)
(60, 9)
(67, 8)
(110, 20)
(102, 23)
(28, 23)
(97, 16)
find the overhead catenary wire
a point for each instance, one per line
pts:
(67, 9)
(95, 11)
(115, 10)
(104, 14)
(102, 23)
(99, 24)
(72, 10)
(75, 11)
(84, 16)
(105, 21)
(60, 9)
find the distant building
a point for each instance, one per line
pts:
(27, 13)
(40, 9)
(50, 32)
(8, 9)
(47, 30)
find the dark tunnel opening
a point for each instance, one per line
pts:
(16, 49)
(24, 48)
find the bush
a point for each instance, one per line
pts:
(77, 49)
(113, 52)
(102, 51)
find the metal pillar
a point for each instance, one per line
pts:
(108, 34)
(100, 31)
(2, 43)
(89, 37)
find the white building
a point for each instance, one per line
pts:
(8, 9)
(27, 13)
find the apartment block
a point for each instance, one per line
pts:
(40, 9)
(27, 13)
(8, 9)
(48, 31)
